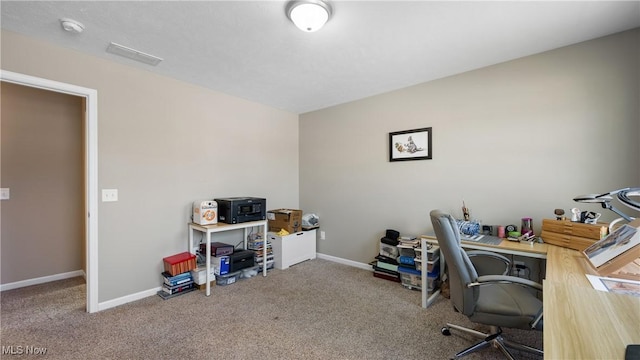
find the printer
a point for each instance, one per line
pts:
(241, 259)
(235, 210)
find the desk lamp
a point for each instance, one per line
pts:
(623, 196)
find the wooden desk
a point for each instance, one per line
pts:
(584, 323)
(567, 266)
(579, 321)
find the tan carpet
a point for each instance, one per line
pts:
(314, 310)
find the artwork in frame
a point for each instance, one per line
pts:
(410, 145)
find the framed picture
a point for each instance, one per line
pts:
(410, 145)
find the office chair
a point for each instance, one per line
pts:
(494, 300)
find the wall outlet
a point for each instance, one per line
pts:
(518, 268)
(109, 195)
(323, 236)
(5, 194)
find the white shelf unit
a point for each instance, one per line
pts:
(293, 248)
(208, 230)
(433, 257)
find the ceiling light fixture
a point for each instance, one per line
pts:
(308, 15)
(71, 25)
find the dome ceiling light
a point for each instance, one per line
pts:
(308, 15)
(71, 25)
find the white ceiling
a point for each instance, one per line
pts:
(251, 50)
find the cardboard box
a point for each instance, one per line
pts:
(288, 219)
(220, 265)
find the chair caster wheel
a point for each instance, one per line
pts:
(445, 331)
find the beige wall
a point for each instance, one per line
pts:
(164, 144)
(512, 140)
(42, 164)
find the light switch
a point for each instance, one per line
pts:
(5, 194)
(109, 195)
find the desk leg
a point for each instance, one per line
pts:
(208, 276)
(190, 239)
(423, 250)
(428, 300)
(264, 250)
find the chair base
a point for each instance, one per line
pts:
(494, 339)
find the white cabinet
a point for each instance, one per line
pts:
(294, 248)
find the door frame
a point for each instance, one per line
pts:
(91, 169)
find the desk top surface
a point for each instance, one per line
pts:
(536, 249)
(224, 227)
(584, 323)
(567, 266)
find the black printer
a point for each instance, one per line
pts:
(241, 259)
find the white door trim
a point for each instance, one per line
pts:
(91, 169)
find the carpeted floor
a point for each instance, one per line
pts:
(314, 310)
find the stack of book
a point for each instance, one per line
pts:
(176, 285)
(406, 250)
(409, 241)
(256, 243)
(386, 264)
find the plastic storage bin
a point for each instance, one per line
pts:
(412, 278)
(431, 265)
(406, 251)
(228, 279)
(249, 272)
(433, 253)
(389, 250)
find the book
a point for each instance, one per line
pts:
(166, 296)
(175, 277)
(176, 289)
(176, 280)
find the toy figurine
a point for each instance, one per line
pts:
(559, 214)
(465, 211)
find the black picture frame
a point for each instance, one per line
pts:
(412, 144)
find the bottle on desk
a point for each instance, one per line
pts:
(527, 226)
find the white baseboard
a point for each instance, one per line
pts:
(127, 299)
(345, 261)
(41, 280)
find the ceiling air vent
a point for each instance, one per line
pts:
(133, 54)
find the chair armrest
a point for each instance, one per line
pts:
(494, 279)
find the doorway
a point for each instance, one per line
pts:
(90, 147)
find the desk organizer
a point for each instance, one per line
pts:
(572, 235)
